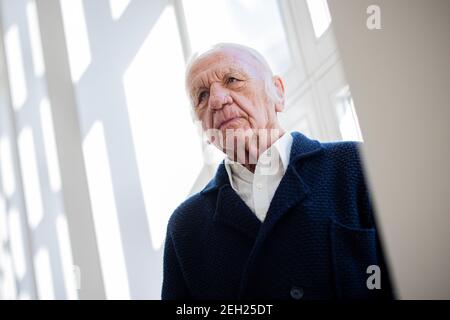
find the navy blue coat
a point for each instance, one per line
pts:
(317, 241)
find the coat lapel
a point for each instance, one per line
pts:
(292, 189)
(290, 193)
(231, 210)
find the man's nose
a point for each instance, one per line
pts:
(219, 96)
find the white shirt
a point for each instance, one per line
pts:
(257, 190)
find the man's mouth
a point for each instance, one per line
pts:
(225, 122)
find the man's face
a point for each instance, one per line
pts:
(227, 89)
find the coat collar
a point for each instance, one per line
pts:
(291, 191)
(302, 147)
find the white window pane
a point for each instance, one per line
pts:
(348, 120)
(320, 16)
(257, 24)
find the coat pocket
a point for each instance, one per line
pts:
(353, 251)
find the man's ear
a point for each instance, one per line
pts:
(279, 88)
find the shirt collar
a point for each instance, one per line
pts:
(302, 149)
(283, 146)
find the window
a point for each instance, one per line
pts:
(348, 121)
(320, 16)
(240, 21)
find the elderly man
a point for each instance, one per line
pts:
(285, 217)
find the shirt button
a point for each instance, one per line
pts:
(259, 186)
(297, 293)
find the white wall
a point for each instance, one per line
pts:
(401, 81)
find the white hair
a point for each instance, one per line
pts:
(268, 74)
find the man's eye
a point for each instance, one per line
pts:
(231, 80)
(202, 96)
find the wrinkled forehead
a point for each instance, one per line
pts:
(221, 61)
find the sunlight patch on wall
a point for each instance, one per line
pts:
(43, 271)
(50, 145)
(3, 221)
(65, 252)
(7, 277)
(6, 167)
(31, 184)
(104, 210)
(17, 242)
(16, 71)
(35, 38)
(168, 149)
(118, 7)
(77, 40)
(8, 282)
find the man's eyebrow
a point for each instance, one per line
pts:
(199, 82)
(198, 86)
